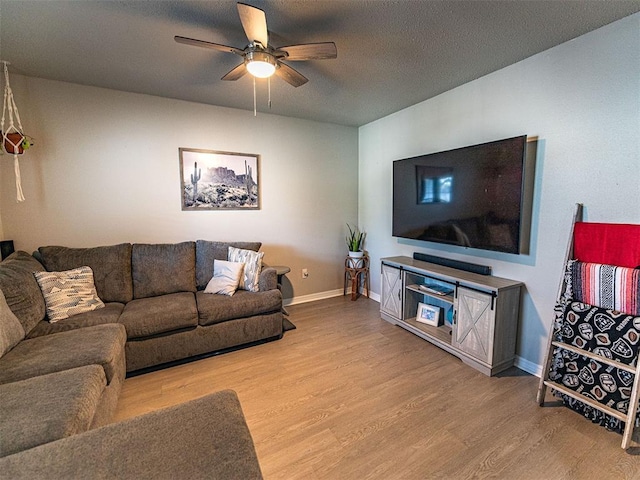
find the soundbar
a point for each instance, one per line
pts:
(459, 264)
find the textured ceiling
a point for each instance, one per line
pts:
(391, 54)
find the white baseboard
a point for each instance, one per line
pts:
(529, 367)
(323, 295)
(311, 298)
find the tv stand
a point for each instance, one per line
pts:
(480, 312)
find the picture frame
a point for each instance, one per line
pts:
(429, 314)
(216, 180)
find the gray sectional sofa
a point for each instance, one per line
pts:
(156, 292)
(62, 380)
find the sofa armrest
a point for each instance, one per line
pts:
(204, 438)
(268, 279)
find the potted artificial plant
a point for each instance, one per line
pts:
(355, 242)
(15, 143)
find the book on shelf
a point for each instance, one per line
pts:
(437, 289)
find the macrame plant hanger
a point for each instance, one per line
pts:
(12, 136)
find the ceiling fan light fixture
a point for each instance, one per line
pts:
(260, 59)
(260, 64)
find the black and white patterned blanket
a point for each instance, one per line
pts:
(606, 333)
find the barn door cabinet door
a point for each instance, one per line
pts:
(391, 298)
(475, 321)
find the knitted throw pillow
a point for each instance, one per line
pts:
(68, 293)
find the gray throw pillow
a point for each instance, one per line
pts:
(11, 331)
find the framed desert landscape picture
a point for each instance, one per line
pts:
(212, 180)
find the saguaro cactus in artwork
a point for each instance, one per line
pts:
(248, 179)
(195, 178)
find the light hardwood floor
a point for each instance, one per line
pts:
(349, 396)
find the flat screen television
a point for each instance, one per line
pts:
(471, 197)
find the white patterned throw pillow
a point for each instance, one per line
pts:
(252, 266)
(226, 277)
(68, 293)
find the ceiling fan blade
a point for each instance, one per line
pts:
(310, 51)
(236, 72)
(213, 46)
(291, 76)
(254, 22)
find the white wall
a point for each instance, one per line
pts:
(582, 99)
(105, 169)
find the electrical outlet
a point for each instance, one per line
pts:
(305, 273)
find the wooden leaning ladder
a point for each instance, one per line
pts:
(630, 416)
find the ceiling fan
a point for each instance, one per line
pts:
(261, 59)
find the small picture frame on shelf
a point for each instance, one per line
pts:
(429, 315)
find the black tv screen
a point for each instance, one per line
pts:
(471, 196)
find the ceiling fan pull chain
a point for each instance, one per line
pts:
(269, 87)
(255, 114)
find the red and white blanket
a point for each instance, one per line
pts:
(607, 286)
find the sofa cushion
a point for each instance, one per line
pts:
(100, 345)
(205, 438)
(219, 308)
(159, 269)
(21, 290)
(68, 293)
(226, 277)
(49, 407)
(208, 251)
(252, 267)
(155, 315)
(111, 267)
(11, 331)
(109, 314)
